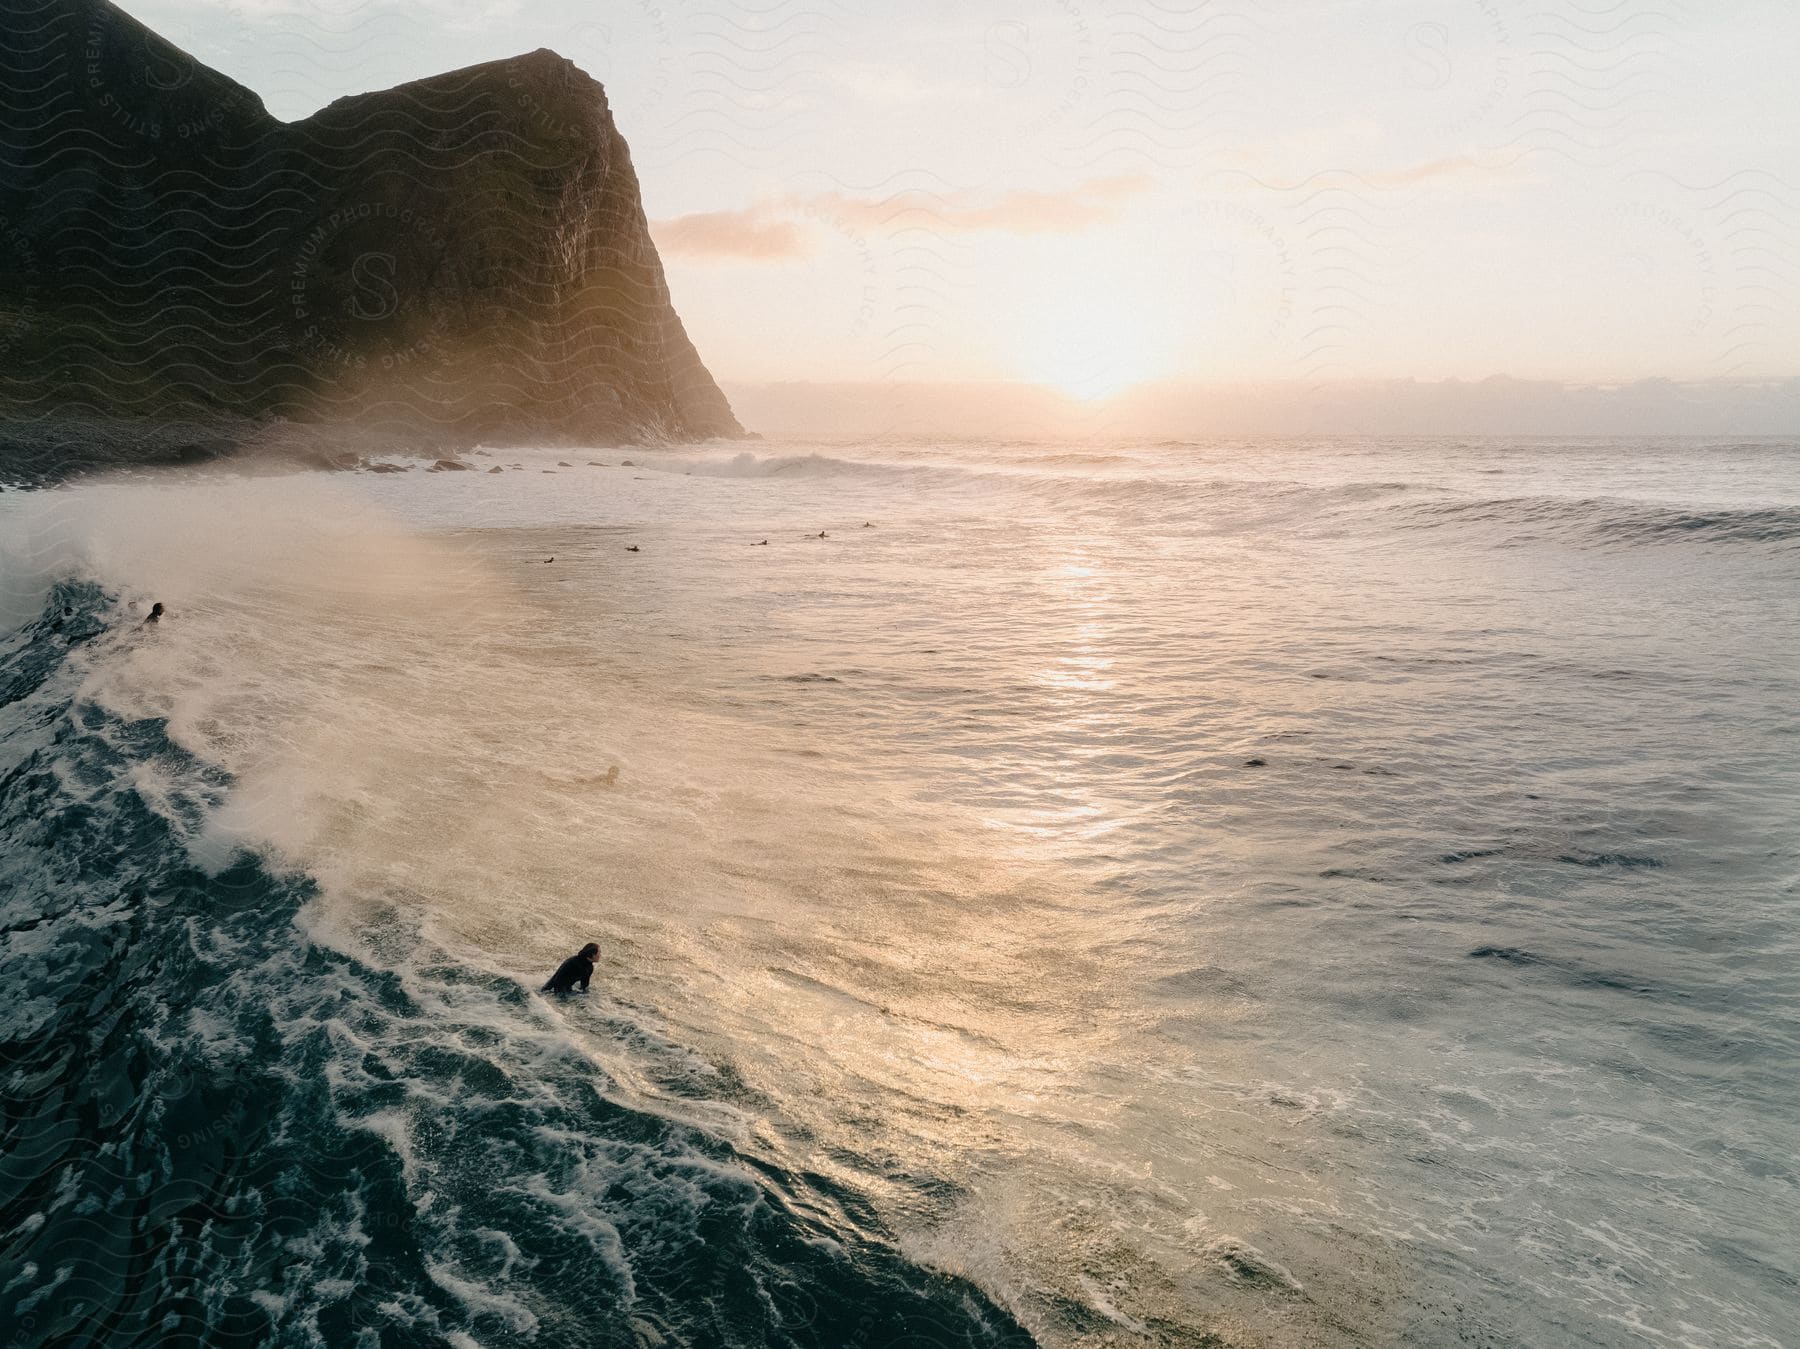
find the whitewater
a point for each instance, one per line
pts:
(1309, 892)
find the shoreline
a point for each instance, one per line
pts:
(52, 450)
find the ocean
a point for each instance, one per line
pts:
(1332, 892)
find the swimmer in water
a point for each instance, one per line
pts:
(577, 969)
(155, 614)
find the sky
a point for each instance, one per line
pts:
(1090, 195)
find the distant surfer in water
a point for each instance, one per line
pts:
(577, 969)
(155, 614)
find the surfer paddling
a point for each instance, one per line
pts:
(577, 969)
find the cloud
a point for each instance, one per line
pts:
(733, 236)
(1095, 202)
(773, 231)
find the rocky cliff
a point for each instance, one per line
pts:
(466, 255)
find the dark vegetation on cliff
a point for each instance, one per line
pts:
(458, 258)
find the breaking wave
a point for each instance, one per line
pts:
(229, 1120)
(1606, 522)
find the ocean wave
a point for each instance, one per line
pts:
(1603, 521)
(222, 1125)
(748, 465)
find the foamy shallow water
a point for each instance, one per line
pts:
(1334, 893)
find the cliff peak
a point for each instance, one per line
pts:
(466, 253)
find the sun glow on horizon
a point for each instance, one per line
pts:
(1091, 357)
(1095, 387)
(1094, 342)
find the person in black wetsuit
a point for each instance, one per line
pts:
(577, 969)
(155, 614)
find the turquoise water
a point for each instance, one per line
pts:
(1325, 892)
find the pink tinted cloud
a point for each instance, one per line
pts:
(772, 230)
(735, 236)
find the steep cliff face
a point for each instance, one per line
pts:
(466, 255)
